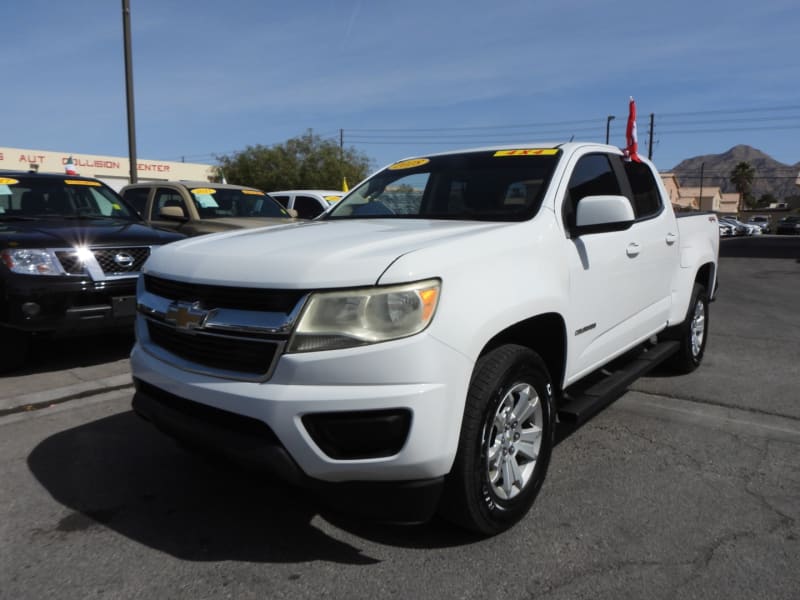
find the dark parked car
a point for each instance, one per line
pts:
(70, 255)
(788, 225)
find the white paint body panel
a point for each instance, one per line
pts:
(494, 275)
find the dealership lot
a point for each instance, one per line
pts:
(685, 487)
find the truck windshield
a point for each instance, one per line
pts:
(506, 185)
(53, 197)
(218, 203)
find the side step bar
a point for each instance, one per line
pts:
(579, 405)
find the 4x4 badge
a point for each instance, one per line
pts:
(186, 315)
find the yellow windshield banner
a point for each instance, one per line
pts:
(409, 164)
(204, 191)
(83, 182)
(253, 193)
(528, 152)
(7, 181)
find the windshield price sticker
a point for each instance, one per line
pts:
(82, 182)
(204, 191)
(409, 164)
(7, 181)
(528, 152)
(253, 193)
(332, 199)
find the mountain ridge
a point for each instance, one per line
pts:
(771, 176)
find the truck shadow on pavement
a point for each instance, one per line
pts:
(47, 355)
(120, 473)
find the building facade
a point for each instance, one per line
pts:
(113, 170)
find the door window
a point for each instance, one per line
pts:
(137, 197)
(646, 197)
(592, 176)
(307, 207)
(166, 197)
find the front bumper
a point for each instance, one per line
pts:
(417, 375)
(252, 444)
(66, 306)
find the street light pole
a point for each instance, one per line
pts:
(126, 29)
(608, 126)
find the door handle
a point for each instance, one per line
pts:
(671, 239)
(632, 249)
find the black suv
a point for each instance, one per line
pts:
(70, 254)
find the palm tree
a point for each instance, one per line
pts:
(742, 179)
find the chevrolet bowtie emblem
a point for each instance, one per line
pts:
(186, 315)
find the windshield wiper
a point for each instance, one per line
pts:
(17, 218)
(90, 217)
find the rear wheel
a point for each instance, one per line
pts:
(692, 334)
(505, 444)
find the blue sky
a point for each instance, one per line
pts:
(401, 78)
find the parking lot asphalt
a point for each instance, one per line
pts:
(62, 370)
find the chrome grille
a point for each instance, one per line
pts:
(252, 356)
(112, 261)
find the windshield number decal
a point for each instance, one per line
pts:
(82, 182)
(409, 164)
(528, 152)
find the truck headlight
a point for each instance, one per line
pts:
(345, 319)
(31, 261)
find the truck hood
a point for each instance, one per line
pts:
(318, 254)
(69, 233)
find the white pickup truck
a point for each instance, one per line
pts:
(417, 348)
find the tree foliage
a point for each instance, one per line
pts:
(742, 177)
(305, 162)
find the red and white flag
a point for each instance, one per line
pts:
(69, 167)
(632, 151)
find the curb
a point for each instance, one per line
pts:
(36, 400)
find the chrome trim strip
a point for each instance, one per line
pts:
(226, 320)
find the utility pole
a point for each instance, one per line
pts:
(650, 150)
(126, 29)
(608, 126)
(341, 160)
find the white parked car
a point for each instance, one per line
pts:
(740, 228)
(308, 203)
(761, 221)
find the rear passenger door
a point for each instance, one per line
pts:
(619, 280)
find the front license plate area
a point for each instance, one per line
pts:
(123, 306)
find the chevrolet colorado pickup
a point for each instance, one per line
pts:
(70, 253)
(415, 348)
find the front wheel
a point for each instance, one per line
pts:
(505, 444)
(692, 334)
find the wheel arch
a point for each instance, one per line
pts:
(545, 334)
(706, 276)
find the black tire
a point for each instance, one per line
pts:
(496, 445)
(14, 346)
(692, 334)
